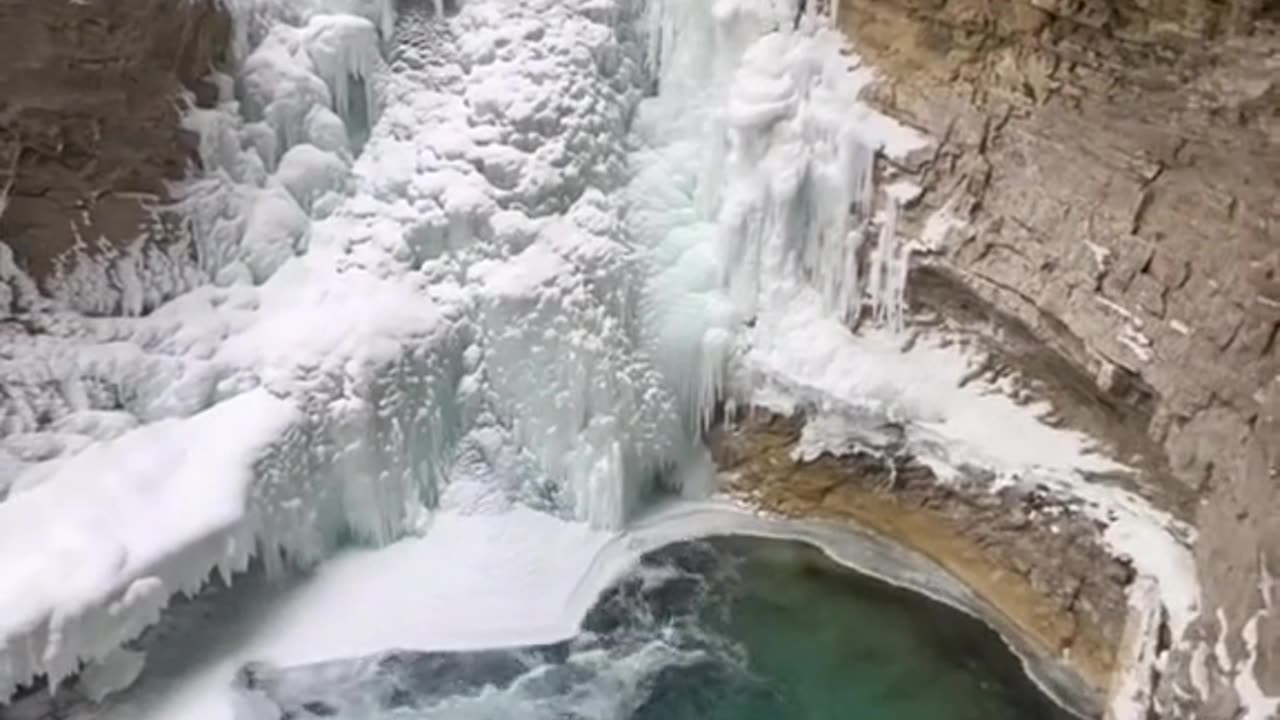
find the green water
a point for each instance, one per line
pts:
(826, 643)
(726, 629)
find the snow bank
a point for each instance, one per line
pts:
(94, 553)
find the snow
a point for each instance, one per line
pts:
(276, 228)
(483, 270)
(474, 581)
(330, 382)
(1255, 702)
(344, 50)
(117, 671)
(1138, 661)
(95, 551)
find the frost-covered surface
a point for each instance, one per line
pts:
(456, 261)
(1139, 660)
(456, 303)
(1255, 701)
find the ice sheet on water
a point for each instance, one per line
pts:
(655, 625)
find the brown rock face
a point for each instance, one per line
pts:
(1118, 167)
(1037, 561)
(90, 102)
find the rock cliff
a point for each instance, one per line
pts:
(1107, 179)
(91, 95)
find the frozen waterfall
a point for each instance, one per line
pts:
(461, 261)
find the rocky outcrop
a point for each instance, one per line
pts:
(1107, 178)
(1032, 557)
(91, 96)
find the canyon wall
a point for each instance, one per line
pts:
(91, 96)
(1107, 179)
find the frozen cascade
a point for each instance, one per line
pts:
(524, 287)
(344, 50)
(753, 181)
(889, 264)
(782, 168)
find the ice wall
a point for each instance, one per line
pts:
(442, 315)
(439, 262)
(758, 125)
(753, 184)
(138, 454)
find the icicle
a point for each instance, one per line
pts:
(889, 265)
(344, 50)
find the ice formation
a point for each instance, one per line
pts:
(458, 301)
(452, 261)
(475, 582)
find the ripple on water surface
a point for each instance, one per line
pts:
(724, 629)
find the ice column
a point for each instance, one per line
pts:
(796, 168)
(344, 51)
(888, 272)
(786, 156)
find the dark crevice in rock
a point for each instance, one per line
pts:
(1118, 415)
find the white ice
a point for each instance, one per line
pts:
(463, 291)
(96, 550)
(475, 581)
(521, 284)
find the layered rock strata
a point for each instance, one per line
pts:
(91, 99)
(1107, 176)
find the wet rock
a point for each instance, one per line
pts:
(1058, 588)
(1116, 164)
